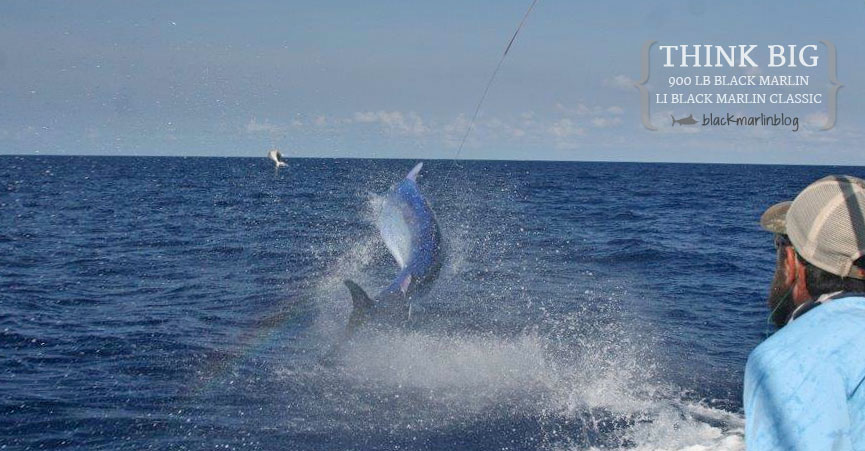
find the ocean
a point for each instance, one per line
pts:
(186, 303)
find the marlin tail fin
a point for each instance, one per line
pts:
(359, 299)
(674, 120)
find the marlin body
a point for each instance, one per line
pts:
(409, 230)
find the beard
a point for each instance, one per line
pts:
(779, 297)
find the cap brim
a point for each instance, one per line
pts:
(774, 219)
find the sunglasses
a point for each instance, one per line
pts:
(781, 241)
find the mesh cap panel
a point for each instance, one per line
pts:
(826, 224)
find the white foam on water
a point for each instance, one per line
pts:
(470, 375)
(581, 378)
(677, 429)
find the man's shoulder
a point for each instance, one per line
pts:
(827, 331)
(800, 383)
(829, 322)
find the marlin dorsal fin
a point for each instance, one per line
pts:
(412, 175)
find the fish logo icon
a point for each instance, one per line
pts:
(684, 121)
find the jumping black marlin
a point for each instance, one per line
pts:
(409, 229)
(276, 157)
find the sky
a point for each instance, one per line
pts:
(397, 79)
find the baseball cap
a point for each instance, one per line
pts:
(825, 224)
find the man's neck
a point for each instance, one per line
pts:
(806, 306)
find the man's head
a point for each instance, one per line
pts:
(820, 241)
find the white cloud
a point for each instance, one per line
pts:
(582, 109)
(579, 110)
(622, 82)
(454, 130)
(499, 127)
(253, 126)
(603, 122)
(753, 70)
(564, 128)
(817, 119)
(394, 121)
(598, 117)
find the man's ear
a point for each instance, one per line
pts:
(795, 277)
(790, 266)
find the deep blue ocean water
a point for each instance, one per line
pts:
(185, 303)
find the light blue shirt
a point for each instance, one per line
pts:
(802, 385)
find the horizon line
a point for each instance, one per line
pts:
(539, 160)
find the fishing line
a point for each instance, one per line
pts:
(483, 95)
(377, 208)
(781, 303)
(261, 336)
(487, 89)
(480, 103)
